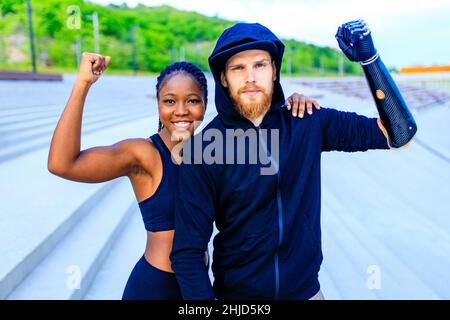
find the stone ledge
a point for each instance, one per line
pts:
(20, 75)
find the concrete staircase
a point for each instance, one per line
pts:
(72, 264)
(55, 234)
(57, 230)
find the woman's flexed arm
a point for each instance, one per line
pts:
(92, 165)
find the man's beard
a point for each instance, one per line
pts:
(252, 109)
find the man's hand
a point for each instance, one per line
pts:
(92, 67)
(355, 40)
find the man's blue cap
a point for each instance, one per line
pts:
(241, 37)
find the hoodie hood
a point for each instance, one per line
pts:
(241, 37)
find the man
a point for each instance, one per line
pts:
(269, 240)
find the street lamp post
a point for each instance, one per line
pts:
(133, 39)
(96, 33)
(289, 61)
(31, 35)
(341, 65)
(94, 18)
(182, 53)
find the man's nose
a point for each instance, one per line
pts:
(251, 76)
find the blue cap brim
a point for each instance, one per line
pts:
(219, 60)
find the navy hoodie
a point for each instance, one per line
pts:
(269, 240)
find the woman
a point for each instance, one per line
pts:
(182, 98)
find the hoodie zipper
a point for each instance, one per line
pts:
(280, 215)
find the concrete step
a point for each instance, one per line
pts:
(433, 129)
(67, 271)
(50, 118)
(41, 140)
(41, 208)
(374, 193)
(328, 288)
(29, 134)
(20, 268)
(30, 94)
(113, 274)
(397, 280)
(104, 105)
(14, 114)
(346, 277)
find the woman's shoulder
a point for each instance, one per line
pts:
(143, 150)
(137, 145)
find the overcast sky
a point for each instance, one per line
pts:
(405, 32)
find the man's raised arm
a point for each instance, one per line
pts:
(355, 40)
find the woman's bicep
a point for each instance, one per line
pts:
(100, 164)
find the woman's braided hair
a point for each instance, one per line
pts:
(186, 68)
